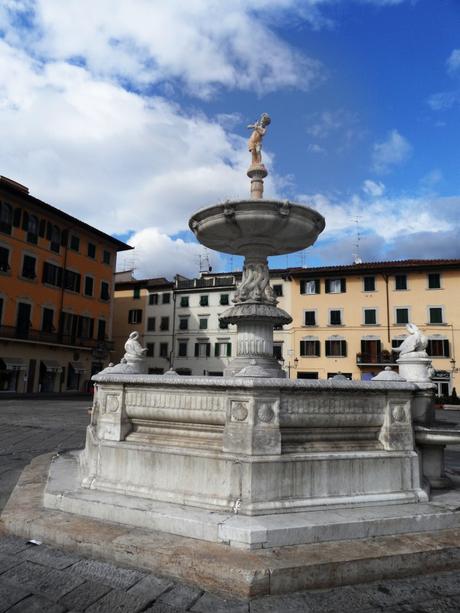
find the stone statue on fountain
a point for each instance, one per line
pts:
(257, 171)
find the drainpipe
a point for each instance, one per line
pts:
(173, 335)
(387, 295)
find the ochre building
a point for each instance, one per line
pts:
(56, 288)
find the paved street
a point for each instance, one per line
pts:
(36, 578)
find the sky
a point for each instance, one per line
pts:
(133, 114)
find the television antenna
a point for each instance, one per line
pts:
(205, 266)
(357, 253)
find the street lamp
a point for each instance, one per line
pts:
(289, 365)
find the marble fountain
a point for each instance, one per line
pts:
(253, 460)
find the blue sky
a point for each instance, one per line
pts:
(137, 117)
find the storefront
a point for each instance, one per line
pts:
(12, 374)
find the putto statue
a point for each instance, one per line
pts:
(133, 362)
(133, 348)
(259, 128)
(416, 342)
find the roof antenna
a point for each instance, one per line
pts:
(357, 255)
(205, 266)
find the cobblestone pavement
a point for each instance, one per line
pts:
(38, 578)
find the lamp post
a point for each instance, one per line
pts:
(289, 365)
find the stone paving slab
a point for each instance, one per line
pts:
(10, 594)
(84, 595)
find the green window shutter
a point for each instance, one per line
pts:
(216, 350)
(317, 286)
(208, 349)
(197, 350)
(229, 350)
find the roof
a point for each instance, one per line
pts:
(158, 282)
(383, 266)
(22, 192)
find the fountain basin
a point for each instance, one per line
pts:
(265, 227)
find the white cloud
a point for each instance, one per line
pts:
(453, 61)
(315, 148)
(201, 44)
(373, 188)
(158, 255)
(391, 152)
(116, 159)
(444, 100)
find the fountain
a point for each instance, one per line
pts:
(253, 460)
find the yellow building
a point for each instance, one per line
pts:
(348, 319)
(56, 283)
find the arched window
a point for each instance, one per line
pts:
(32, 229)
(6, 217)
(55, 240)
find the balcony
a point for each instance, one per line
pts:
(53, 338)
(384, 358)
(205, 282)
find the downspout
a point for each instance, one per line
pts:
(387, 295)
(173, 345)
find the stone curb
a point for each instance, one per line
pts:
(217, 567)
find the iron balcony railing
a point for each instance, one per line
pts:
(41, 336)
(384, 357)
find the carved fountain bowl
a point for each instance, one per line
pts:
(262, 227)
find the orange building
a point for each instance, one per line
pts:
(56, 289)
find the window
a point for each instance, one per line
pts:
(68, 326)
(166, 298)
(4, 259)
(106, 257)
(52, 274)
(101, 325)
(184, 301)
(105, 291)
(85, 327)
(335, 317)
(6, 218)
(310, 286)
(400, 282)
(204, 301)
(438, 348)
(151, 324)
(183, 323)
(28, 267)
(223, 325)
(370, 317)
(47, 320)
(136, 293)
(54, 238)
(278, 290)
(222, 350)
(153, 299)
(310, 318)
(89, 286)
(72, 280)
(163, 350)
(307, 375)
(435, 315)
(401, 315)
(434, 280)
(335, 286)
(156, 371)
(182, 349)
(164, 323)
(203, 323)
(74, 242)
(278, 351)
(202, 350)
(369, 284)
(336, 348)
(17, 220)
(310, 348)
(224, 299)
(135, 316)
(150, 350)
(91, 250)
(32, 229)
(1, 309)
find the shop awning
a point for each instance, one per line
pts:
(15, 363)
(78, 367)
(52, 366)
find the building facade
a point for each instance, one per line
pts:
(56, 288)
(349, 319)
(346, 319)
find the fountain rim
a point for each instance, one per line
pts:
(199, 214)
